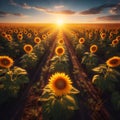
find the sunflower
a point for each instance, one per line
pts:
(48, 33)
(113, 62)
(9, 37)
(20, 36)
(3, 34)
(28, 48)
(93, 48)
(44, 36)
(59, 50)
(29, 35)
(60, 41)
(111, 33)
(115, 42)
(81, 40)
(60, 84)
(118, 38)
(15, 31)
(110, 37)
(90, 35)
(103, 36)
(6, 61)
(35, 33)
(25, 32)
(10, 31)
(37, 40)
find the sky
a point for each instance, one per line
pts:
(51, 11)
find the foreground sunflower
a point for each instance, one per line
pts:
(60, 84)
(81, 40)
(113, 62)
(59, 50)
(93, 48)
(37, 40)
(28, 48)
(6, 61)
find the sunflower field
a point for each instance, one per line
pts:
(50, 72)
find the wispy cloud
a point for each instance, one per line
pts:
(64, 12)
(109, 18)
(24, 5)
(97, 10)
(59, 6)
(115, 9)
(43, 9)
(38, 8)
(4, 14)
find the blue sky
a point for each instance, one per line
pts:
(70, 11)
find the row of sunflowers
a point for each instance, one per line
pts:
(59, 100)
(21, 50)
(98, 50)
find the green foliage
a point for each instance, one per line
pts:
(116, 100)
(107, 80)
(28, 61)
(90, 60)
(59, 64)
(58, 107)
(39, 50)
(80, 49)
(11, 81)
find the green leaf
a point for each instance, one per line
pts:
(114, 71)
(3, 71)
(95, 77)
(74, 91)
(100, 69)
(54, 58)
(18, 70)
(71, 102)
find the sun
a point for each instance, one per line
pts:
(60, 22)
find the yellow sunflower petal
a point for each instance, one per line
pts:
(60, 84)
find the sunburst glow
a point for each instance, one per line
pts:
(60, 22)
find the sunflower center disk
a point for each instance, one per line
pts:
(115, 61)
(5, 62)
(60, 50)
(94, 48)
(28, 48)
(60, 84)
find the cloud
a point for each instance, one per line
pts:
(65, 12)
(4, 14)
(39, 8)
(59, 6)
(115, 9)
(109, 18)
(24, 5)
(97, 10)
